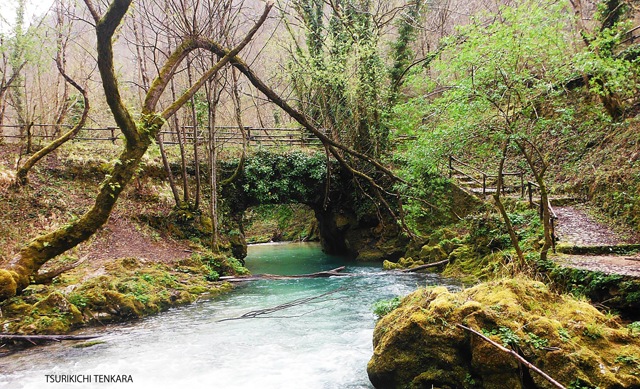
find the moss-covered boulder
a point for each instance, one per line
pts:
(403, 263)
(432, 253)
(418, 345)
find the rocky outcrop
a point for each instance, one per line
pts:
(418, 345)
(364, 238)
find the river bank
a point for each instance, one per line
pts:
(325, 344)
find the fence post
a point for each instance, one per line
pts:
(113, 135)
(521, 184)
(484, 184)
(248, 130)
(450, 167)
(530, 194)
(553, 233)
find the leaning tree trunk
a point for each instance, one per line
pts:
(503, 212)
(18, 273)
(546, 219)
(538, 173)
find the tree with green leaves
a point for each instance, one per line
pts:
(339, 77)
(609, 64)
(500, 76)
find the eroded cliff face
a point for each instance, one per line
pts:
(419, 345)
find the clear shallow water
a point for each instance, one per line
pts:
(325, 344)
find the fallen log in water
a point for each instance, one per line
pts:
(257, 277)
(48, 338)
(422, 267)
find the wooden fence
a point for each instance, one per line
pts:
(480, 182)
(259, 137)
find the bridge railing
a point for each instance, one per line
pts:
(253, 136)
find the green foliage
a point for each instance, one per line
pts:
(536, 342)
(217, 265)
(564, 334)
(500, 75)
(506, 335)
(612, 76)
(78, 300)
(212, 276)
(283, 178)
(383, 307)
(593, 331)
(634, 327)
(632, 360)
(580, 384)
(339, 78)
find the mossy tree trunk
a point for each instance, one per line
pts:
(23, 268)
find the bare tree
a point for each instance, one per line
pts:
(139, 134)
(23, 171)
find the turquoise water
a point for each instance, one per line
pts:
(322, 344)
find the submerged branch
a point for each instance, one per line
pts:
(427, 266)
(321, 274)
(266, 311)
(51, 338)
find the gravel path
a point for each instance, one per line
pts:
(628, 265)
(575, 227)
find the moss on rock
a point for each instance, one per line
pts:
(8, 284)
(124, 289)
(419, 346)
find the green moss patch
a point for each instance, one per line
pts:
(123, 289)
(418, 344)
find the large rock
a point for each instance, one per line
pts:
(419, 345)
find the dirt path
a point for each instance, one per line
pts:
(121, 238)
(575, 227)
(627, 265)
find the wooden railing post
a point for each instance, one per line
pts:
(530, 194)
(553, 234)
(484, 184)
(450, 166)
(248, 131)
(521, 184)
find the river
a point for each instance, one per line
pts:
(325, 343)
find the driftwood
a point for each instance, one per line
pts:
(266, 311)
(48, 338)
(516, 356)
(422, 267)
(257, 277)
